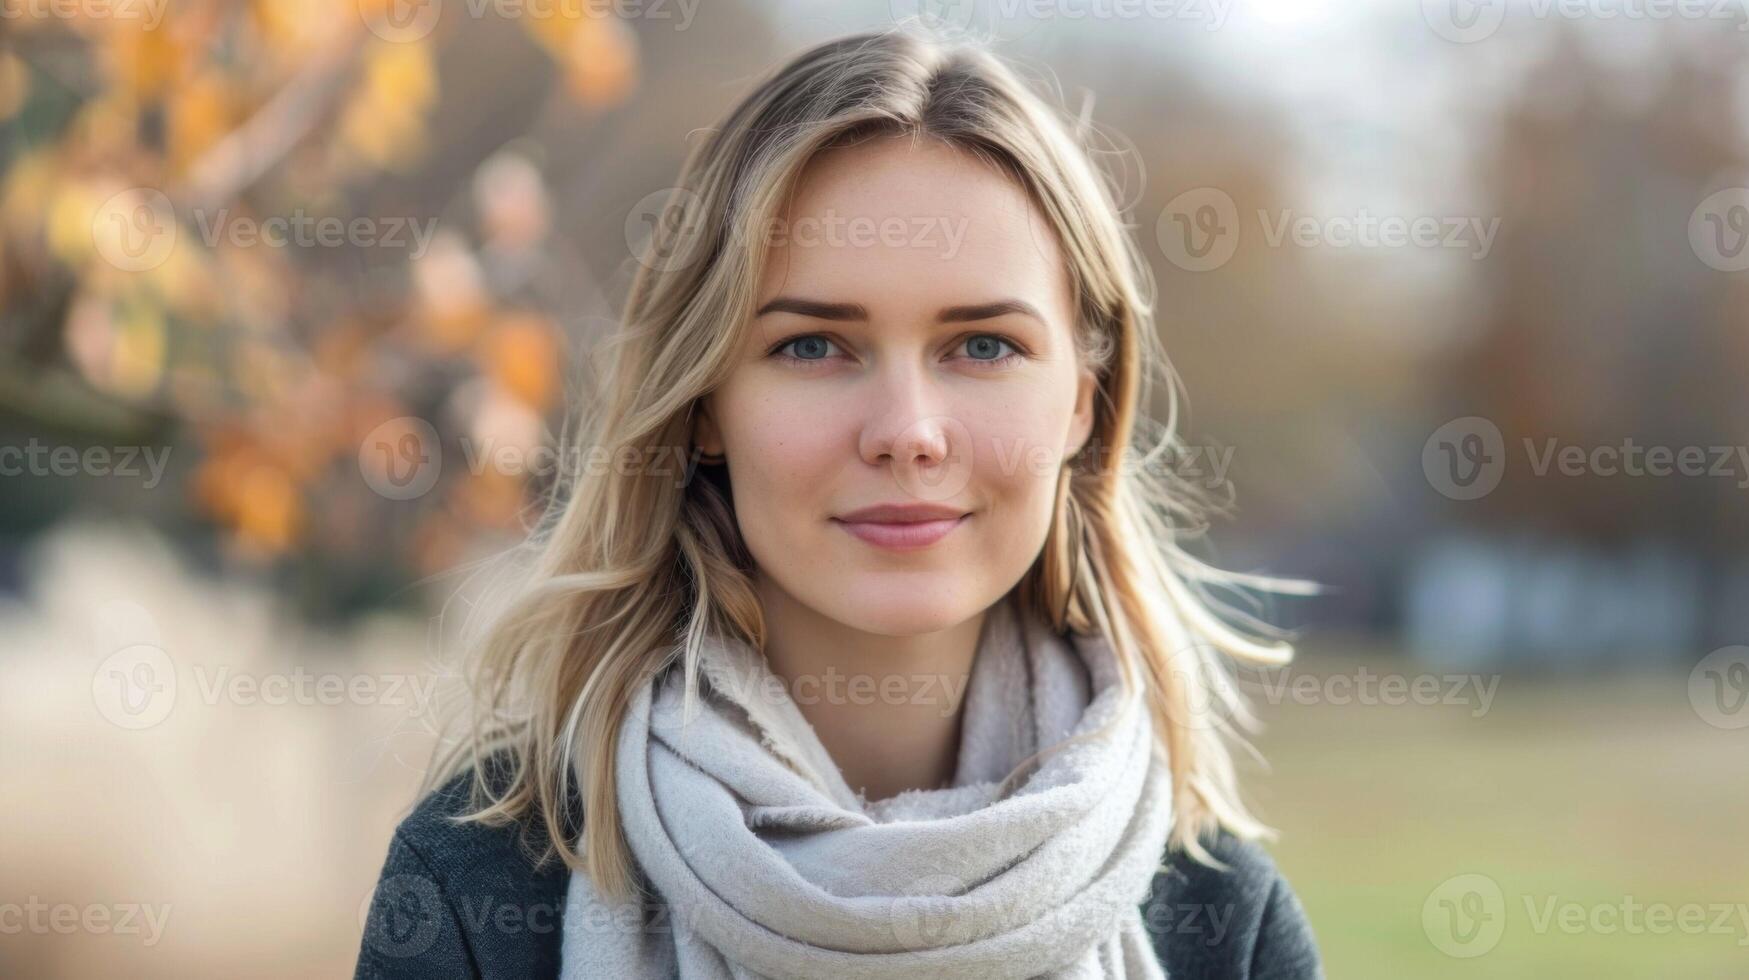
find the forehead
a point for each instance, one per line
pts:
(896, 223)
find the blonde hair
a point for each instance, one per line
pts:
(630, 572)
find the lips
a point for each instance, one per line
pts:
(902, 527)
(902, 514)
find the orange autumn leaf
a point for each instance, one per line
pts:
(601, 62)
(269, 510)
(141, 60)
(521, 354)
(201, 112)
(451, 289)
(400, 73)
(491, 498)
(14, 85)
(553, 25)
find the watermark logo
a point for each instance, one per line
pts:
(660, 230)
(946, 444)
(1718, 688)
(1718, 230)
(933, 232)
(945, 18)
(304, 230)
(1191, 922)
(952, 18)
(1469, 21)
(1199, 229)
(148, 14)
(402, 916)
(401, 458)
(919, 924)
(1464, 21)
(135, 230)
(400, 21)
(1372, 688)
(1465, 916)
(135, 687)
(36, 916)
(1367, 230)
(138, 687)
(1465, 458)
(37, 459)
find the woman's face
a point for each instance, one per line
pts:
(912, 347)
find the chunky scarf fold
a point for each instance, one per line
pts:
(765, 864)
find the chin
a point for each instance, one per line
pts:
(888, 611)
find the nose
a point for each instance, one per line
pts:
(913, 431)
(906, 424)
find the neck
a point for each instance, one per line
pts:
(886, 708)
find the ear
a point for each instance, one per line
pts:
(1081, 424)
(705, 435)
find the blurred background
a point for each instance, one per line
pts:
(294, 295)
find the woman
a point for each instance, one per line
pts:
(908, 676)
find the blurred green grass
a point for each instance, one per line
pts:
(1566, 790)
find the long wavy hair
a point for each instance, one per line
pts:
(629, 571)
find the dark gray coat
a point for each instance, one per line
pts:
(465, 900)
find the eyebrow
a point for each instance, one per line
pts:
(855, 311)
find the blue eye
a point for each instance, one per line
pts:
(987, 347)
(811, 347)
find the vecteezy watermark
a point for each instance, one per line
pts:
(832, 686)
(1199, 230)
(147, 14)
(137, 229)
(400, 20)
(402, 915)
(134, 230)
(135, 687)
(1718, 230)
(1469, 21)
(1202, 465)
(1366, 230)
(138, 686)
(1464, 459)
(401, 458)
(1188, 922)
(304, 230)
(676, 13)
(932, 232)
(663, 230)
(1372, 688)
(574, 460)
(38, 917)
(950, 17)
(143, 463)
(1466, 915)
(1718, 688)
(411, 20)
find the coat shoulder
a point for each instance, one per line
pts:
(1243, 920)
(463, 899)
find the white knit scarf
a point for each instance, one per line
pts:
(765, 864)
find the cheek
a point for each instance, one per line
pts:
(1020, 458)
(782, 453)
